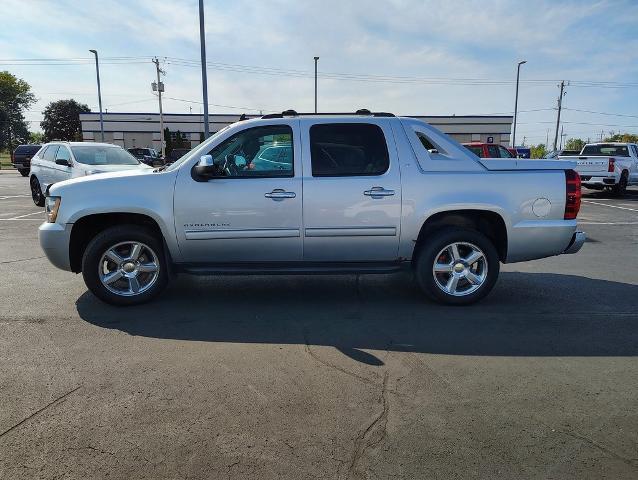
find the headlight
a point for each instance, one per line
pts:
(51, 206)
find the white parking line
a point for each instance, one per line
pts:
(607, 223)
(25, 215)
(4, 197)
(610, 206)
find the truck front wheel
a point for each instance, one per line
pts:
(125, 265)
(457, 266)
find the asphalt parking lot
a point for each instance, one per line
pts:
(323, 377)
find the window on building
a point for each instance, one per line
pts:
(348, 149)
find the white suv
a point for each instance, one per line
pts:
(58, 161)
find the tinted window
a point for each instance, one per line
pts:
(50, 152)
(346, 149)
(256, 152)
(603, 150)
(478, 151)
(63, 154)
(505, 153)
(99, 155)
(492, 151)
(27, 149)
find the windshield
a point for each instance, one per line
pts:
(102, 155)
(200, 149)
(603, 150)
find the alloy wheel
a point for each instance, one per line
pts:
(128, 268)
(460, 269)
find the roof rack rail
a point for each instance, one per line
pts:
(361, 111)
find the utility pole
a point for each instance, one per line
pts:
(99, 93)
(524, 137)
(202, 47)
(562, 136)
(316, 59)
(547, 139)
(518, 73)
(560, 105)
(160, 89)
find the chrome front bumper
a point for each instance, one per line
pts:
(577, 242)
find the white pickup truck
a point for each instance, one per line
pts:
(303, 193)
(610, 166)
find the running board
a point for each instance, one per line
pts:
(291, 268)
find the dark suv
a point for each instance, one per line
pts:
(21, 158)
(149, 156)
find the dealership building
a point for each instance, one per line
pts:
(142, 129)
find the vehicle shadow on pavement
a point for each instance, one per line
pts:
(527, 314)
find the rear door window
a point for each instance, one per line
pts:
(348, 149)
(51, 152)
(478, 151)
(492, 151)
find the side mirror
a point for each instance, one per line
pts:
(206, 168)
(63, 162)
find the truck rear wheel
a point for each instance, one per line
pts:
(620, 188)
(457, 266)
(125, 265)
(23, 171)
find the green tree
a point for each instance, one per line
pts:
(538, 151)
(575, 144)
(36, 137)
(622, 137)
(168, 141)
(15, 98)
(62, 120)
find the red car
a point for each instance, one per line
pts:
(490, 150)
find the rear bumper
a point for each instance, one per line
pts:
(577, 242)
(54, 240)
(601, 180)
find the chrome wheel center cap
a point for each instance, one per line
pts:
(128, 267)
(459, 268)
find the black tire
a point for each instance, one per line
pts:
(620, 188)
(105, 241)
(23, 171)
(36, 192)
(432, 250)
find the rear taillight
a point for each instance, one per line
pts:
(572, 196)
(612, 164)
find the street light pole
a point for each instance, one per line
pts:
(160, 89)
(202, 45)
(99, 93)
(518, 74)
(316, 59)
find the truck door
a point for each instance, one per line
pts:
(352, 191)
(251, 212)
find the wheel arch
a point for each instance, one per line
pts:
(488, 222)
(87, 227)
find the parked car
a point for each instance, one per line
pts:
(561, 153)
(21, 158)
(176, 154)
(610, 166)
(490, 150)
(149, 156)
(58, 161)
(366, 193)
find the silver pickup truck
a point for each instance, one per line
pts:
(302, 193)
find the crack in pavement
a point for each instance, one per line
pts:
(331, 365)
(633, 462)
(230, 467)
(50, 404)
(371, 436)
(20, 260)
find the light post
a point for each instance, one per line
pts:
(316, 59)
(518, 73)
(202, 46)
(99, 93)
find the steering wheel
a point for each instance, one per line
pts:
(230, 168)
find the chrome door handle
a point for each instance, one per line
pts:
(280, 194)
(378, 192)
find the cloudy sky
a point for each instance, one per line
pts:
(404, 56)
